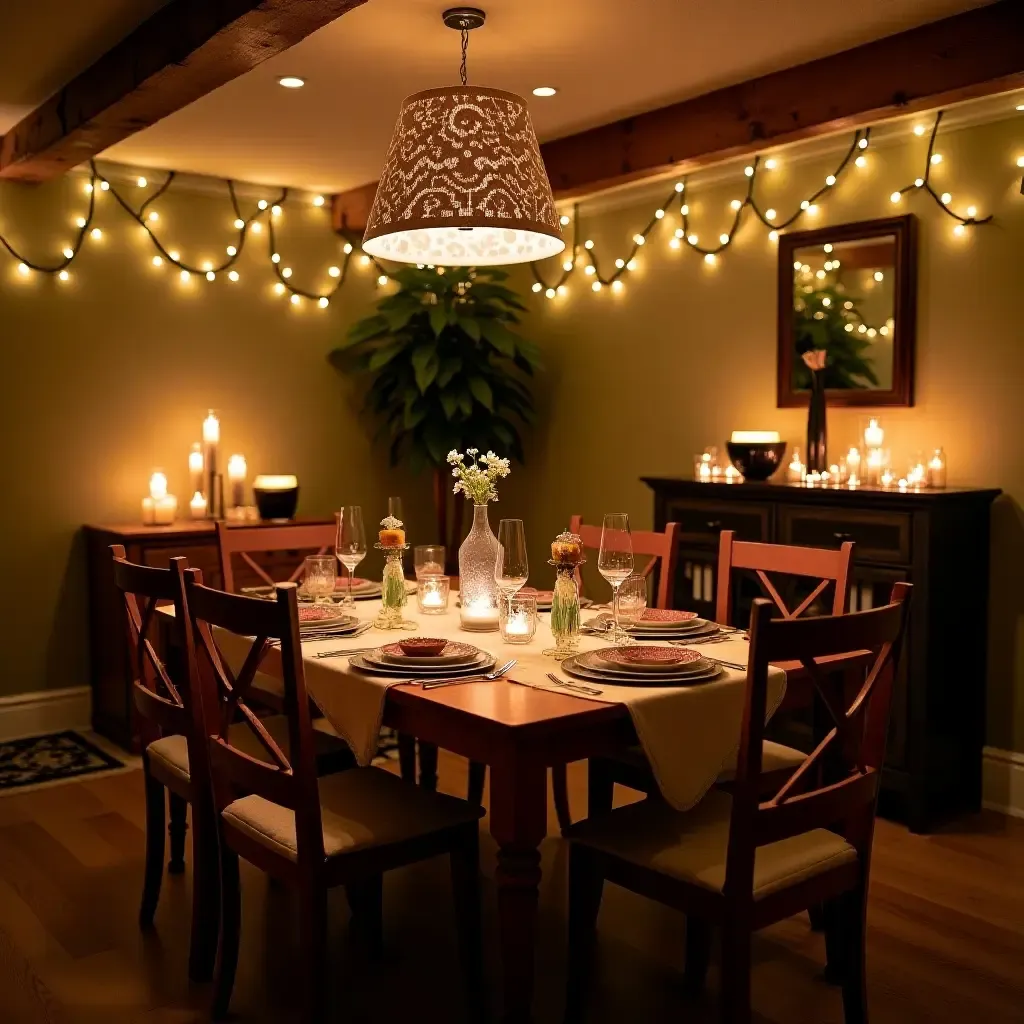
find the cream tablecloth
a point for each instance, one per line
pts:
(689, 734)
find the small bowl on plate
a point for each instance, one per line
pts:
(422, 646)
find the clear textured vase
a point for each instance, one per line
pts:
(478, 593)
(565, 614)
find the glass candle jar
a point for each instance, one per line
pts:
(432, 594)
(517, 618)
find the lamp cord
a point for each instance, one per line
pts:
(465, 46)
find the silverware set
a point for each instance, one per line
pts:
(434, 684)
(348, 652)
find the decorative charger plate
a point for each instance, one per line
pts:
(688, 635)
(648, 658)
(373, 663)
(322, 616)
(573, 667)
(595, 662)
(454, 653)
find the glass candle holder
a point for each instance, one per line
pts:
(517, 618)
(937, 469)
(428, 560)
(432, 594)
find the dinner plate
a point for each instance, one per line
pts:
(454, 653)
(314, 617)
(572, 667)
(648, 659)
(360, 661)
(699, 666)
(688, 635)
(687, 626)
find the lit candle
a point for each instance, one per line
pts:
(875, 463)
(917, 474)
(705, 467)
(732, 474)
(887, 477)
(853, 463)
(480, 614)
(211, 429)
(432, 599)
(211, 439)
(518, 624)
(158, 485)
(813, 478)
(755, 437)
(796, 468)
(937, 469)
(236, 477)
(195, 467)
(197, 506)
(160, 507)
(874, 435)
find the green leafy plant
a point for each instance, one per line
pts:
(448, 370)
(820, 319)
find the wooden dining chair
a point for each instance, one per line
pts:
(741, 862)
(660, 549)
(174, 754)
(346, 829)
(826, 566)
(246, 541)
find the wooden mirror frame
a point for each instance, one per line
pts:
(904, 229)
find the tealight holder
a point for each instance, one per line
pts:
(432, 594)
(517, 618)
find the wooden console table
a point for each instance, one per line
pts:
(939, 541)
(148, 545)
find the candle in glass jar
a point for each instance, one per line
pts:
(937, 469)
(796, 469)
(237, 470)
(853, 466)
(195, 467)
(160, 507)
(197, 506)
(874, 435)
(887, 478)
(876, 461)
(518, 624)
(480, 613)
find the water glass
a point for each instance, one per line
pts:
(428, 560)
(432, 594)
(517, 618)
(632, 600)
(320, 573)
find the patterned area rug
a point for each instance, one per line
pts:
(59, 755)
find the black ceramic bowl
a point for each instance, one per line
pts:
(278, 503)
(756, 460)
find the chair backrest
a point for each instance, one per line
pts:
(660, 548)
(836, 786)
(826, 564)
(288, 780)
(245, 541)
(161, 704)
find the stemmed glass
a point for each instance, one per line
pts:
(319, 576)
(615, 559)
(511, 569)
(351, 547)
(632, 600)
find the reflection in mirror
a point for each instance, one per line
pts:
(844, 302)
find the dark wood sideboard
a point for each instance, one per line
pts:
(149, 545)
(939, 541)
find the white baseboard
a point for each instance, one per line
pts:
(32, 714)
(1002, 786)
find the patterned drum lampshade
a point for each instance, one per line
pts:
(464, 184)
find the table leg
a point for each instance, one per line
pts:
(428, 765)
(518, 815)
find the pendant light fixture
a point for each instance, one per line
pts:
(463, 182)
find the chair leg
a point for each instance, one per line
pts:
(855, 993)
(735, 974)
(205, 898)
(156, 811)
(600, 787)
(477, 777)
(816, 914)
(560, 789)
(833, 925)
(313, 926)
(366, 901)
(176, 829)
(230, 930)
(698, 952)
(465, 870)
(586, 884)
(407, 757)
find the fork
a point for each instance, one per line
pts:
(593, 690)
(343, 653)
(433, 684)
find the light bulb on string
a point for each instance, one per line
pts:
(617, 285)
(863, 143)
(63, 275)
(631, 265)
(96, 233)
(334, 271)
(684, 210)
(154, 216)
(157, 261)
(659, 213)
(771, 163)
(232, 275)
(692, 239)
(263, 204)
(773, 236)
(323, 302)
(80, 222)
(87, 188)
(679, 186)
(861, 161)
(207, 266)
(947, 198)
(550, 293)
(679, 232)
(589, 269)
(567, 266)
(239, 223)
(735, 204)
(709, 258)
(918, 182)
(364, 261)
(639, 239)
(919, 129)
(382, 280)
(596, 286)
(673, 243)
(827, 247)
(972, 212)
(175, 255)
(286, 272)
(770, 214)
(723, 238)
(275, 211)
(830, 180)
(562, 290)
(68, 254)
(318, 200)
(295, 300)
(275, 257)
(231, 250)
(805, 204)
(23, 269)
(748, 171)
(105, 186)
(141, 182)
(620, 263)
(895, 197)
(184, 275)
(563, 220)
(210, 275)
(936, 158)
(537, 286)
(279, 288)
(256, 227)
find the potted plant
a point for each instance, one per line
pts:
(447, 370)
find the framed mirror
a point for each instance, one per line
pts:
(852, 291)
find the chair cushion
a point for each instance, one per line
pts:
(775, 757)
(360, 808)
(169, 754)
(692, 846)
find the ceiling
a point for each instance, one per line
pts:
(607, 59)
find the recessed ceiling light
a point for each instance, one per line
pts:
(545, 90)
(291, 82)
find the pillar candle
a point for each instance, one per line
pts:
(195, 468)
(211, 441)
(197, 506)
(236, 478)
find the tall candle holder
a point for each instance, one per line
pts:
(195, 468)
(237, 471)
(214, 488)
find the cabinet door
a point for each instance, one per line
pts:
(702, 521)
(879, 536)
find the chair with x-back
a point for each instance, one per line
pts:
(247, 541)
(744, 860)
(312, 834)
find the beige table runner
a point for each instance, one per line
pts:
(689, 734)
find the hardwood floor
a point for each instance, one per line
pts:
(946, 931)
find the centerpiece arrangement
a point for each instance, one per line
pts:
(391, 540)
(566, 557)
(478, 592)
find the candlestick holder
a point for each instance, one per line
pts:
(393, 595)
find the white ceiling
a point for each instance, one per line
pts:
(607, 58)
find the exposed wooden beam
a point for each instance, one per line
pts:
(185, 50)
(967, 56)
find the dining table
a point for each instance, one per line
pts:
(520, 725)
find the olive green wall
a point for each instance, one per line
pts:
(636, 383)
(109, 375)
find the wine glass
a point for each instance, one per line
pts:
(511, 569)
(351, 547)
(615, 559)
(320, 573)
(428, 560)
(395, 508)
(632, 600)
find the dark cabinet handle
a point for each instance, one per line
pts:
(713, 525)
(842, 537)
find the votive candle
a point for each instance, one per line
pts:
(197, 506)
(937, 469)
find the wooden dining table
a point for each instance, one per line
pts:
(519, 732)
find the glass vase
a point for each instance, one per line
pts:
(478, 593)
(817, 436)
(565, 614)
(393, 595)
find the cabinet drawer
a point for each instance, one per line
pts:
(879, 536)
(703, 521)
